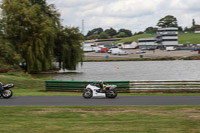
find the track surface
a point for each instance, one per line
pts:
(80, 101)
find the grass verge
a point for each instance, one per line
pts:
(196, 57)
(93, 119)
(134, 59)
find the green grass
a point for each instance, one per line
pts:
(23, 81)
(189, 38)
(135, 59)
(134, 38)
(93, 119)
(182, 38)
(26, 85)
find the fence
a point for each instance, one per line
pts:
(128, 86)
(77, 86)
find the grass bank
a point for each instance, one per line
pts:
(26, 85)
(189, 38)
(196, 57)
(134, 59)
(184, 38)
(134, 38)
(93, 119)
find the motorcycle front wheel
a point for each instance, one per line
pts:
(87, 93)
(7, 94)
(111, 94)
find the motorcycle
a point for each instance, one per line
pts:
(5, 91)
(93, 90)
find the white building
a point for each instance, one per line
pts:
(147, 43)
(87, 47)
(166, 37)
(129, 45)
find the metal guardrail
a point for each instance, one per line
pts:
(164, 86)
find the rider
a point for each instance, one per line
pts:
(102, 85)
(1, 86)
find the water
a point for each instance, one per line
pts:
(131, 70)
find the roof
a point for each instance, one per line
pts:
(128, 43)
(197, 29)
(168, 29)
(150, 38)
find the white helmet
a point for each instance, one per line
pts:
(100, 81)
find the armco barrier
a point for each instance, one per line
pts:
(164, 86)
(76, 86)
(128, 86)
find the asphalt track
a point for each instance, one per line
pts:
(80, 101)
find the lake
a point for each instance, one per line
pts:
(131, 70)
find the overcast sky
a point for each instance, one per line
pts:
(135, 15)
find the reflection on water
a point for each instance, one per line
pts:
(131, 70)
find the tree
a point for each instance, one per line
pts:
(68, 49)
(92, 37)
(138, 33)
(103, 35)
(111, 32)
(89, 33)
(167, 21)
(127, 32)
(31, 31)
(151, 29)
(193, 22)
(8, 54)
(180, 29)
(94, 34)
(121, 34)
(97, 31)
(32, 28)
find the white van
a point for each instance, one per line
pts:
(170, 48)
(117, 51)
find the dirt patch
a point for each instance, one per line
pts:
(188, 113)
(48, 111)
(95, 112)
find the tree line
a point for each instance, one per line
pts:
(99, 33)
(167, 21)
(31, 35)
(171, 21)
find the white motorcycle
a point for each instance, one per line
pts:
(5, 91)
(93, 90)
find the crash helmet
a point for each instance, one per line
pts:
(100, 81)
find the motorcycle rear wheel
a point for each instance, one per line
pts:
(111, 94)
(87, 93)
(7, 94)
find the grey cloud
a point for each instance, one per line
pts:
(132, 14)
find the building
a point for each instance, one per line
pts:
(166, 37)
(129, 45)
(197, 30)
(147, 43)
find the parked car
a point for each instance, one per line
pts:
(139, 52)
(104, 50)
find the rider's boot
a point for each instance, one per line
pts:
(99, 90)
